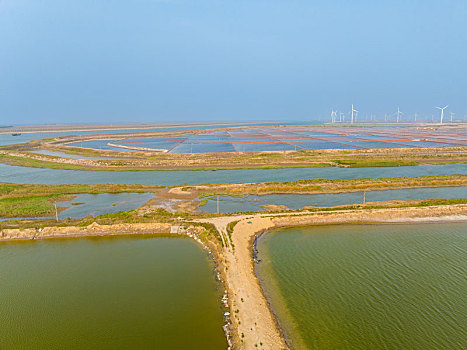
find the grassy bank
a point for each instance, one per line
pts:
(31, 206)
(14, 190)
(316, 186)
(207, 231)
(140, 161)
(17, 200)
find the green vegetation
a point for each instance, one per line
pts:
(229, 229)
(362, 163)
(17, 200)
(396, 204)
(210, 228)
(30, 206)
(140, 161)
(34, 163)
(328, 186)
(10, 189)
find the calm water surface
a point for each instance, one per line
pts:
(109, 293)
(18, 174)
(85, 204)
(8, 139)
(102, 203)
(369, 286)
(67, 155)
(251, 203)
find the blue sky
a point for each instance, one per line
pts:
(166, 61)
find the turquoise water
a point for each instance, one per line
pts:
(253, 203)
(18, 174)
(109, 293)
(369, 286)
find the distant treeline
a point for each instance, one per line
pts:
(5, 126)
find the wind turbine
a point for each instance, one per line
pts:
(354, 110)
(333, 116)
(398, 114)
(442, 112)
(452, 114)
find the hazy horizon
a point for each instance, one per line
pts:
(202, 61)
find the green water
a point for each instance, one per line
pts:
(109, 293)
(369, 286)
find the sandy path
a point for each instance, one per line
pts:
(250, 312)
(254, 319)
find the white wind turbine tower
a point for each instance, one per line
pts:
(452, 114)
(398, 114)
(442, 112)
(333, 116)
(354, 110)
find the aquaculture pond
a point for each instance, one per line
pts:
(109, 293)
(368, 286)
(311, 138)
(250, 203)
(67, 155)
(6, 138)
(16, 174)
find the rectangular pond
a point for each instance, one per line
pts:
(109, 293)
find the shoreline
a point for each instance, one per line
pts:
(281, 323)
(92, 230)
(246, 318)
(251, 322)
(294, 337)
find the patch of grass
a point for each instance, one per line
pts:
(30, 206)
(142, 161)
(362, 163)
(210, 228)
(315, 186)
(230, 228)
(9, 189)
